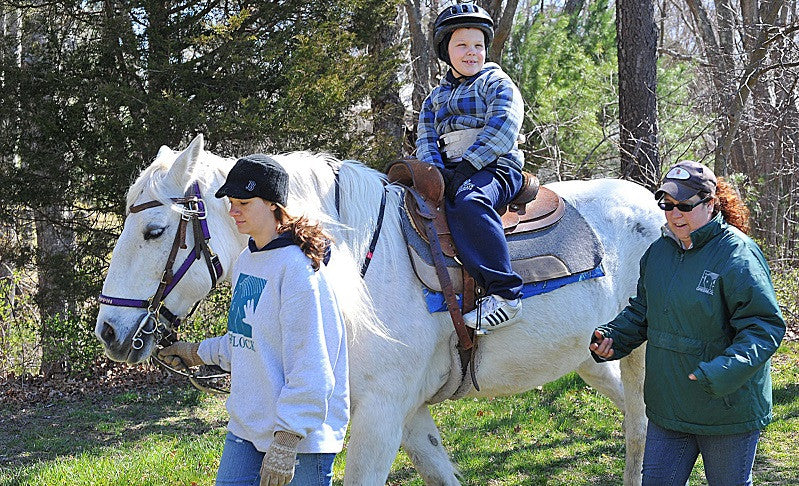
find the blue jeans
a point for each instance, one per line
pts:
(241, 466)
(669, 457)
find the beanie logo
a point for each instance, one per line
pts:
(708, 282)
(250, 186)
(678, 173)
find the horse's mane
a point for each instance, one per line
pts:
(312, 189)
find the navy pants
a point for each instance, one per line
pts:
(477, 228)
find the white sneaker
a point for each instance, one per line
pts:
(494, 312)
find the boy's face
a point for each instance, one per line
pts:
(467, 51)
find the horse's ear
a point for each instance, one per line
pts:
(184, 166)
(164, 150)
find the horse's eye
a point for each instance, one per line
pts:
(153, 232)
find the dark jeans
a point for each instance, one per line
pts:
(669, 457)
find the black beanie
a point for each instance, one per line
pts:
(256, 175)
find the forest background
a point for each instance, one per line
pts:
(92, 89)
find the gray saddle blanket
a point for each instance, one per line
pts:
(563, 252)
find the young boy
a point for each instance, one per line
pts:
(468, 128)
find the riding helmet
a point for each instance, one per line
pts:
(458, 16)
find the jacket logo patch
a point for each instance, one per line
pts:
(707, 283)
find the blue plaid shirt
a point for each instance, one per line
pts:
(489, 100)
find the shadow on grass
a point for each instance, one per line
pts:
(44, 432)
(551, 436)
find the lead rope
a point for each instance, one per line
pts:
(185, 371)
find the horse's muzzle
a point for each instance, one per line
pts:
(119, 345)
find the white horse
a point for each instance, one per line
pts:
(393, 380)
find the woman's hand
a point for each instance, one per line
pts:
(181, 351)
(601, 346)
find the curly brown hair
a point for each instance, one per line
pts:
(308, 235)
(731, 205)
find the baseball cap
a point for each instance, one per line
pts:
(686, 179)
(256, 175)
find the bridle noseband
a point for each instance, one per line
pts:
(193, 211)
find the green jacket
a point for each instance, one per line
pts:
(711, 311)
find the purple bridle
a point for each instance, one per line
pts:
(193, 211)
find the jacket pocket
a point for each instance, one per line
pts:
(674, 342)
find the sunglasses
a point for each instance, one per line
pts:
(683, 207)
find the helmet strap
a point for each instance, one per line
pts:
(460, 75)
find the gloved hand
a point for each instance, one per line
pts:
(446, 174)
(462, 171)
(277, 468)
(181, 350)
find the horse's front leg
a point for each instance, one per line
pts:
(375, 433)
(421, 440)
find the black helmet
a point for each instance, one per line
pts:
(458, 16)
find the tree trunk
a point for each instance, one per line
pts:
(423, 56)
(737, 102)
(637, 48)
(55, 244)
(11, 54)
(387, 109)
(503, 16)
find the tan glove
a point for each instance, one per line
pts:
(277, 468)
(181, 350)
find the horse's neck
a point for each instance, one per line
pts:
(226, 240)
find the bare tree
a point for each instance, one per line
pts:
(504, 13)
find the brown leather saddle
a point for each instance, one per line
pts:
(534, 208)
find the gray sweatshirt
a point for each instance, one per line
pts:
(286, 349)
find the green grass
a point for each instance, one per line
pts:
(563, 434)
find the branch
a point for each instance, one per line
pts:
(785, 65)
(684, 57)
(748, 81)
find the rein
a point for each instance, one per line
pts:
(159, 320)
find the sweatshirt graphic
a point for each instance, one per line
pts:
(242, 306)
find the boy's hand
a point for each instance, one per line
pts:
(447, 175)
(462, 172)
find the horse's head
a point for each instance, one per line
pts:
(164, 261)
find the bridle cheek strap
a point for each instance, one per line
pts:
(194, 211)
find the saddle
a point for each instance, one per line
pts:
(534, 207)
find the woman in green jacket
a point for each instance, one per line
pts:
(706, 305)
